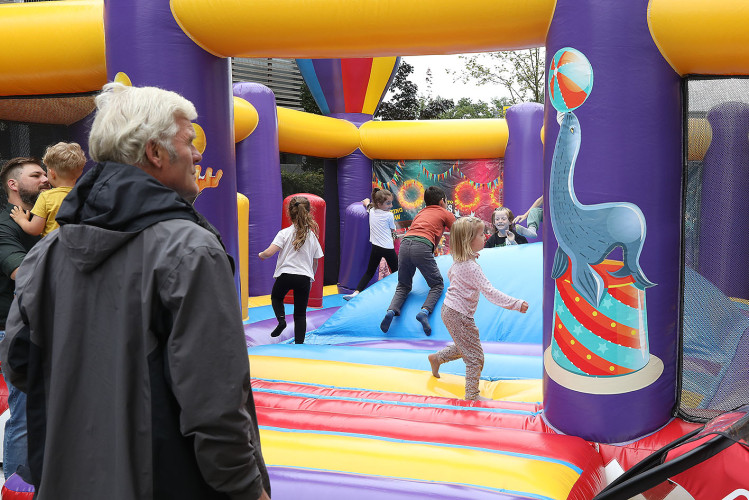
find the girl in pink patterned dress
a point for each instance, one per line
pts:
(466, 281)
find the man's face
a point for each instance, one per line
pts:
(30, 182)
(178, 173)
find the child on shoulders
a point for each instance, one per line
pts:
(65, 162)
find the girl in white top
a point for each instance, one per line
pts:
(381, 235)
(296, 266)
(462, 296)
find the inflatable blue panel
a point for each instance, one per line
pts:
(515, 270)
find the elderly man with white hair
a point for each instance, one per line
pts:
(126, 332)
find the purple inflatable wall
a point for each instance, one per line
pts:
(524, 157)
(630, 152)
(259, 178)
(355, 248)
(725, 190)
(354, 184)
(144, 41)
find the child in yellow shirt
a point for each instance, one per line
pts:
(64, 161)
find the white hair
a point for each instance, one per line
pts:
(127, 118)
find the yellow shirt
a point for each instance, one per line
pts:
(48, 204)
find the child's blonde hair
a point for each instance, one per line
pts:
(299, 211)
(510, 217)
(462, 232)
(65, 158)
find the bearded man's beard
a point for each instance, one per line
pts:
(28, 197)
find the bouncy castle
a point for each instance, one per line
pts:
(639, 322)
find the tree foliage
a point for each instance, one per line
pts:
(404, 102)
(521, 72)
(308, 101)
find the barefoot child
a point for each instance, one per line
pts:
(417, 252)
(461, 299)
(296, 265)
(64, 163)
(381, 235)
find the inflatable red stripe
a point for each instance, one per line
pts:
(582, 357)
(596, 321)
(272, 400)
(559, 447)
(374, 396)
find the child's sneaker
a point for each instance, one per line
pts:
(351, 295)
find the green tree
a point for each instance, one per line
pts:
(433, 108)
(520, 72)
(308, 102)
(304, 182)
(466, 108)
(403, 102)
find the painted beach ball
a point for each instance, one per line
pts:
(570, 79)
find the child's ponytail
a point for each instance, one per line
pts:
(301, 217)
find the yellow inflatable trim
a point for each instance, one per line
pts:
(52, 47)
(315, 135)
(699, 37)
(434, 139)
(417, 461)
(362, 28)
(387, 379)
(245, 119)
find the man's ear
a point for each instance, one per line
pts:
(153, 153)
(12, 184)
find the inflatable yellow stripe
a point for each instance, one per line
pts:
(308, 134)
(362, 28)
(380, 74)
(52, 47)
(698, 37)
(386, 379)
(423, 462)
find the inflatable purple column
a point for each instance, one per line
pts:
(259, 178)
(724, 247)
(524, 157)
(354, 184)
(141, 35)
(356, 244)
(629, 151)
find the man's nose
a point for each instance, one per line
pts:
(196, 156)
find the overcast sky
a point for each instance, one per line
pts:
(442, 83)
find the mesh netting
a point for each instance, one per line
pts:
(715, 361)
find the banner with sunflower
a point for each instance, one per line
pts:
(472, 186)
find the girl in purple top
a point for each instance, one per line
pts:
(466, 281)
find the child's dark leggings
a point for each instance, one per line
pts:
(301, 285)
(374, 261)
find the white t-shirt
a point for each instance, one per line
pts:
(381, 222)
(292, 261)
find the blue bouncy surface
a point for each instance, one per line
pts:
(516, 270)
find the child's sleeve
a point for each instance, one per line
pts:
(279, 240)
(495, 296)
(449, 219)
(391, 221)
(40, 207)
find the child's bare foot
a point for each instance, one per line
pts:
(435, 365)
